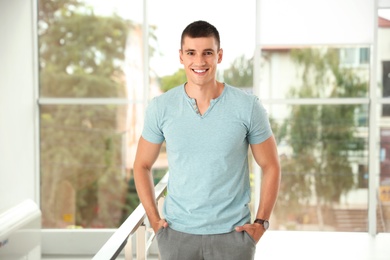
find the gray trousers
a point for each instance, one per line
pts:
(174, 245)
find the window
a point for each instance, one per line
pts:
(93, 93)
(354, 56)
(92, 101)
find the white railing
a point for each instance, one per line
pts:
(20, 231)
(136, 224)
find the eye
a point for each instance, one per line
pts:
(190, 53)
(208, 53)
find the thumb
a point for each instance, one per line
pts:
(240, 228)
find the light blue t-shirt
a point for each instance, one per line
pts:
(208, 186)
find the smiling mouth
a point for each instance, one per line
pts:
(199, 71)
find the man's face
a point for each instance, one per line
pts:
(200, 57)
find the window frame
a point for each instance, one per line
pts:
(56, 241)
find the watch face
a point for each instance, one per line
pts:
(266, 224)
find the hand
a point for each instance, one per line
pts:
(157, 225)
(255, 230)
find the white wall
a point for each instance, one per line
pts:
(18, 177)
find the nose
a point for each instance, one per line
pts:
(199, 60)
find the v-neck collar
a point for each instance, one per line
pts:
(194, 106)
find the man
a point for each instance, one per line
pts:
(207, 126)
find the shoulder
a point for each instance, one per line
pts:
(239, 91)
(167, 98)
(171, 94)
(240, 95)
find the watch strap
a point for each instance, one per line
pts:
(262, 222)
(259, 221)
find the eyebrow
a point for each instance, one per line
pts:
(202, 51)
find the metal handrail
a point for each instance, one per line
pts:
(134, 223)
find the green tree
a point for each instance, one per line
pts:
(322, 137)
(81, 56)
(171, 81)
(240, 72)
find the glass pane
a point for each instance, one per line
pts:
(306, 22)
(318, 72)
(87, 154)
(383, 209)
(383, 63)
(383, 112)
(324, 158)
(86, 50)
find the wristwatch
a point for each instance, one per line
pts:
(262, 222)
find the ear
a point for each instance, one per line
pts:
(181, 56)
(220, 55)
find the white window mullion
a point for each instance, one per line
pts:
(373, 137)
(88, 101)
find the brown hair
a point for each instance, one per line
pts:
(200, 29)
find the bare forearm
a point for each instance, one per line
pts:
(147, 154)
(269, 191)
(268, 196)
(145, 189)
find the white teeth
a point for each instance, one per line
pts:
(200, 71)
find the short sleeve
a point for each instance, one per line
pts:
(260, 129)
(152, 128)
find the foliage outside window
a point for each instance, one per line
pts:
(84, 174)
(327, 143)
(85, 177)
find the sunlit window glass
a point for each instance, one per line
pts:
(90, 51)
(322, 148)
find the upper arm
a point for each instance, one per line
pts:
(147, 154)
(265, 153)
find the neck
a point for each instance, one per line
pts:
(204, 93)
